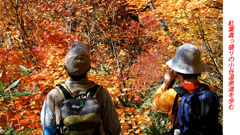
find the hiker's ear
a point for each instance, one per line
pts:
(180, 77)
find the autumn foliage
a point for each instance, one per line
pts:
(130, 42)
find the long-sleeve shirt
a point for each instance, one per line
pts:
(164, 99)
(50, 114)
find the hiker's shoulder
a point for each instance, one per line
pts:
(211, 88)
(53, 92)
(53, 95)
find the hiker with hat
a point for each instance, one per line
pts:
(186, 66)
(60, 101)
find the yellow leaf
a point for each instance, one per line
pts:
(2, 113)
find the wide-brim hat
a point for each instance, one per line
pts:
(187, 60)
(77, 60)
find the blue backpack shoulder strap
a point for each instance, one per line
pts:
(181, 91)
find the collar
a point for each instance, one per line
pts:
(192, 87)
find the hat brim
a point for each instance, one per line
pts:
(185, 68)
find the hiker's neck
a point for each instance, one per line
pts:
(78, 79)
(190, 80)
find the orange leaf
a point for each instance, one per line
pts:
(125, 127)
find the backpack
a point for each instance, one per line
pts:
(197, 112)
(79, 114)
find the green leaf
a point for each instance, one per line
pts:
(35, 89)
(26, 132)
(24, 74)
(102, 67)
(132, 99)
(96, 70)
(2, 131)
(18, 69)
(17, 94)
(32, 72)
(121, 100)
(24, 68)
(13, 132)
(5, 96)
(1, 87)
(19, 132)
(27, 88)
(12, 85)
(126, 98)
(107, 66)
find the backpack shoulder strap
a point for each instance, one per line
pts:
(93, 91)
(204, 87)
(64, 91)
(181, 91)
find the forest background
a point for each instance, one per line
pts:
(130, 42)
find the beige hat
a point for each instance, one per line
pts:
(77, 60)
(187, 60)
